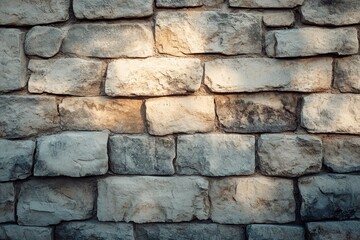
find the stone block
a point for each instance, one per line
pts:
(179, 3)
(13, 231)
(265, 3)
(7, 203)
(268, 231)
(347, 74)
(279, 19)
(336, 230)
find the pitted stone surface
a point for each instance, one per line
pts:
(334, 230)
(7, 203)
(265, 3)
(179, 3)
(347, 74)
(268, 232)
(13, 231)
(279, 19)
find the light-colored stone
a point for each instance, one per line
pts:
(74, 154)
(342, 230)
(180, 115)
(23, 116)
(342, 154)
(265, 74)
(12, 59)
(152, 199)
(347, 74)
(279, 19)
(329, 12)
(256, 199)
(13, 231)
(179, 3)
(268, 232)
(153, 77)
(7, 202)
(265, 3)
(266, 112)
(110, 40)
(43, 41)
(335, 196)
(16, 159)
(192, 32)
(110, 9)
(215, 154)
(50, 201)
(332, 113)
(289, 155)
(25, 12)
(97, 113)
(142, 154)
(311, 41)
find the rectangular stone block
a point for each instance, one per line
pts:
(334, 230)
(215, 154)
(192, 32)
(265, 74)
(311, 41)
(278, 19)
(97, 113)
(13, 231)
(331, 113)
(152, 199)
(180, 114)
(335, 196)
(179, 3)
(269, 231)
(347, 74)
(7, 203)
(256, 199)
(265, 3)
(105, 40)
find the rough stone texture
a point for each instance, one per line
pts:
(340, 12)
(180, 114)
(215, 154)
(266, 112)
(347, 74)
(269, 232)
(185, 32)
(264, 74)
(342, 154)
(74, 154)
(23, 116)
(255, 199)
(110, 9)
(179, 3)
(23, 12)
(344, 230)
(311, 41)
(152, 199)
(279, 19)
(43, 41)
(50, 201)
(94, 230)
(12, 59)
(265, 3)
(16, 159)
(142, 154)
(7, 203)
(153, 77)
(327, 196)
(97, 113)
(189, 231)
(70, 76)
(12, 231)
(289, 155)
(320, 113)
(122, 40)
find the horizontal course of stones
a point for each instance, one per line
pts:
(180, 119)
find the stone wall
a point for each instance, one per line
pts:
(179, 119)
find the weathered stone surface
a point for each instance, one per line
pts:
(142, 154)
(342, 154)
(344, 230)
(289, 155)
(97, 113)
(320, 113)
(110, 9)
(16, 159)
(322, 12)
(7, 203)
(327, 196)
(153, 77)
(268, 231)
(279, 19)
(189, 231)
(12, 59)
(180, 114)
(50, 201)
(265, 3)
(152, 199)
(74, 154)
(266, 112)
(23, 116)
(215, 154)
(179, 3)
(256, 199)
(13, 231)
(347, 74)
(264, 74)
(122, 40)
(311, 41)
(94, 230)
(185, 32)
